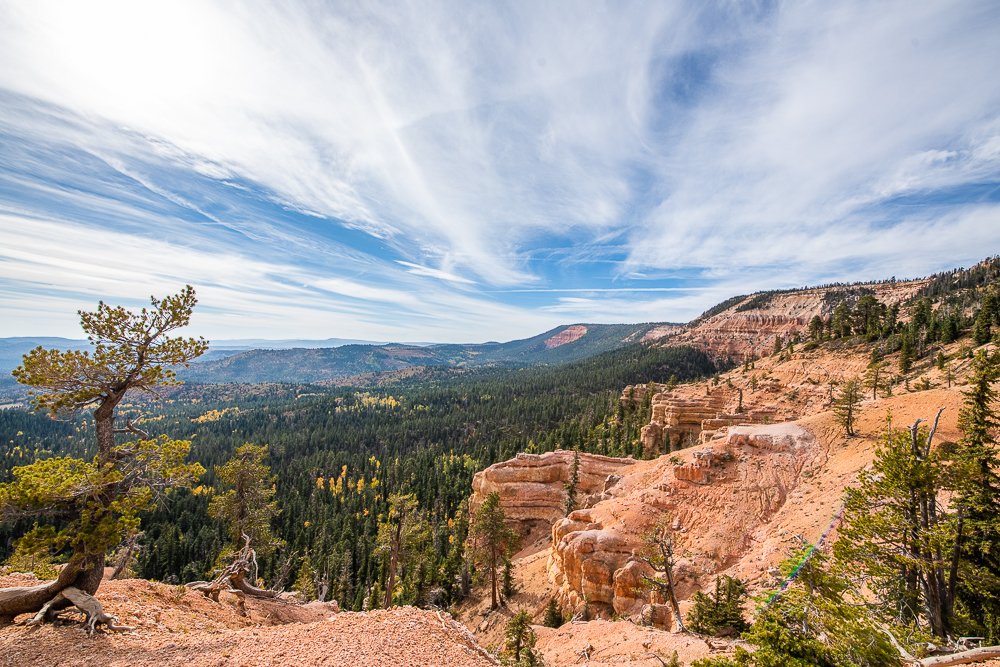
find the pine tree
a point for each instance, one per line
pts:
(359, 600)
(991, 307)
(895, 534)
(848, 404)
(508, 588)
(906, 354)
(33, 553)
(400, 536)
(495, 541)
(553, 614)
(305, 582)
(724, 609)
(344, 584)
(978, 487)
(519, 637)
(574, 482)
(875, 378)
(876, 355)
(981, 331)
(98, 501)
(249, 505)
(842, 320)
(816, 328)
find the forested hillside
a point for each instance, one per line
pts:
(339, 454)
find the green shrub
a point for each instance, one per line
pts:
(724, 609)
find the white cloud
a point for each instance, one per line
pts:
(418, 270)
(834, 112)
(495, 146)
(45, 283)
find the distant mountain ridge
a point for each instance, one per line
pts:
(298, 360)
(13, 349)
(739, 326)
(558, 346)
(749, 324)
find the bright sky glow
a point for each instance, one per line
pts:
(461, 172)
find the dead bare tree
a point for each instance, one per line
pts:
(234, 577)
(660, 554)
(283, 575)
(126, 554)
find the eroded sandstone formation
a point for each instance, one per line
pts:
(713, 497)
(532, 487)
(681, 418)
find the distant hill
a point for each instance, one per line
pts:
(262, 360)
(558, 346)
(12, 349)
(748, 324)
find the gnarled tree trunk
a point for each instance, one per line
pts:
(83, 573)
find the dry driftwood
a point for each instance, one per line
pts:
(234, 576)
(963, 658)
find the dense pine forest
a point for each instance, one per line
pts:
(339, 454)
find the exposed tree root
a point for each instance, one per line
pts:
(88, 604)
(81, 572)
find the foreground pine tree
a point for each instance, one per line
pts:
(978, 491)
(99, 501)
(847, 405)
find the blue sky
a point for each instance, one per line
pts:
(462, 172)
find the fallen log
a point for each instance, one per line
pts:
(963, 658)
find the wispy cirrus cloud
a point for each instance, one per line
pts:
(416, 172)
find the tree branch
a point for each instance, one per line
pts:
(130, 427)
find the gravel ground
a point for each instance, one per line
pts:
(177, 628)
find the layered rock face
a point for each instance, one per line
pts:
(714, 497)
(532, 487)
(734, 333)
(567, 335)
